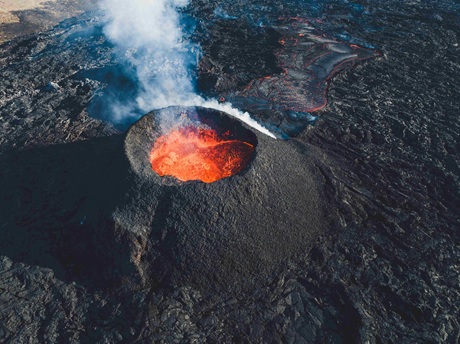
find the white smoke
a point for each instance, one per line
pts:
(148, 36)
(226, 107)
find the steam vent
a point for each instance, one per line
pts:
(212, 203)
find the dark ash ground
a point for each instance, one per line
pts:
(385, 270)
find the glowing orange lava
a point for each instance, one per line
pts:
(191, 153)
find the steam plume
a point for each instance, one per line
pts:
(148, 37)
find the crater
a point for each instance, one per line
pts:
(190, 144)
(205, 150)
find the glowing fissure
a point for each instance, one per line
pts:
(191, 153)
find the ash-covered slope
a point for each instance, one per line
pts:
(385, 271)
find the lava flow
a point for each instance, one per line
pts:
(191, 153)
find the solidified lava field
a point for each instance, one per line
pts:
(352, 235)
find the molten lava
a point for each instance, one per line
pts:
(191, 153)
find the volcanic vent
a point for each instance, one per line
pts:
(199, 152)
(191, 143)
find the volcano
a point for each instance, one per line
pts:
(212, 196)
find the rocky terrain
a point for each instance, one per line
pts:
(382, 156)
(21, 17)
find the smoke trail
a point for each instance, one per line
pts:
(148, 37)
(242, 116)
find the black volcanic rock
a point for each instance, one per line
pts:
(43, 98)
(386, 269)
